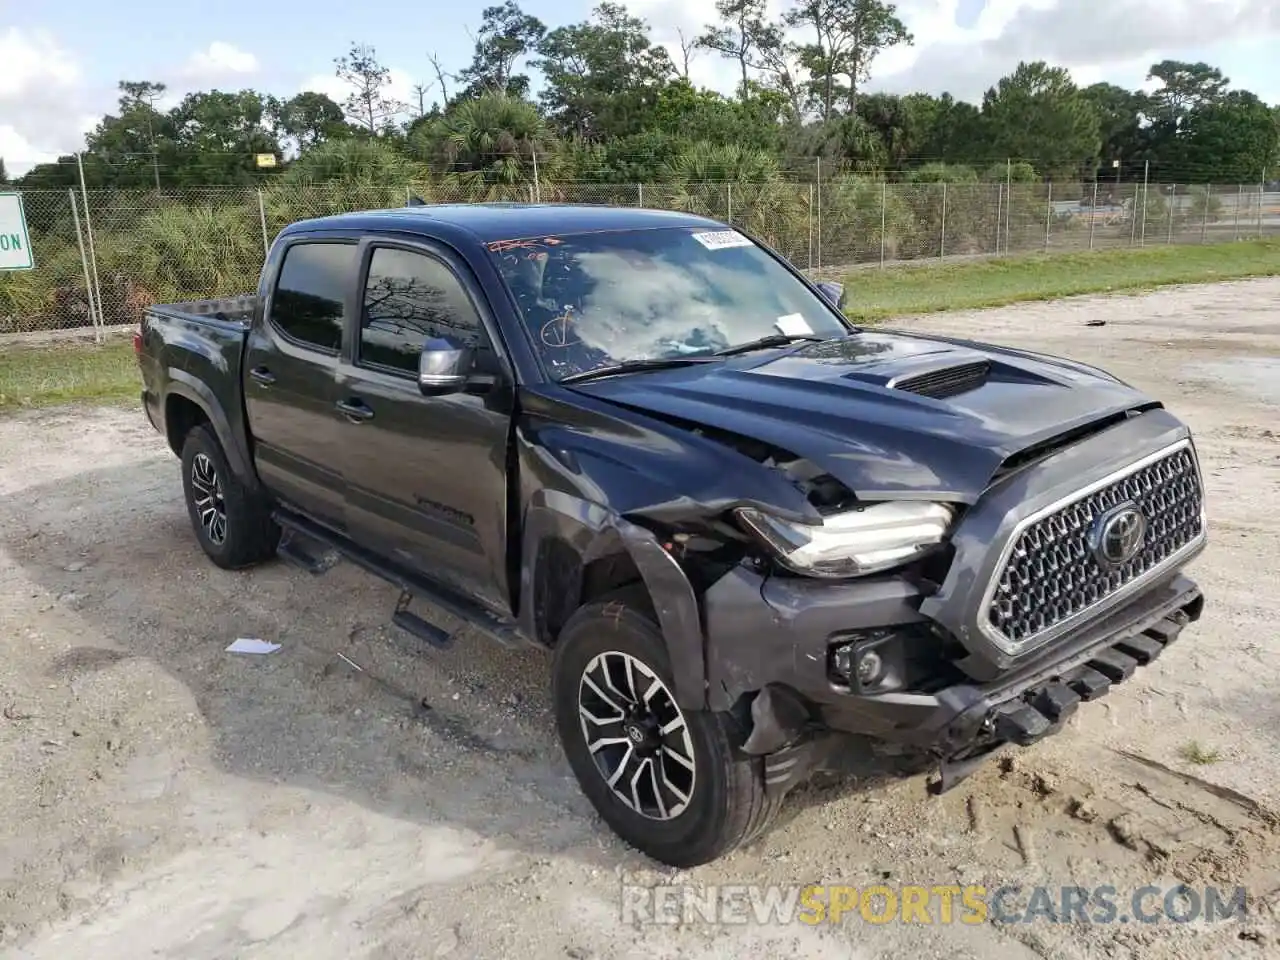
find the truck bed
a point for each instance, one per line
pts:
(190, 352)
(237, 310)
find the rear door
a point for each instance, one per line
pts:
(290, 372)
(426, 476)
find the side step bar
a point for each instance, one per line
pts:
(413, 624)
(317, 550)
(307, 553)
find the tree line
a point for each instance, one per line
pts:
(614, 107)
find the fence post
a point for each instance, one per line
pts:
(1204, 223)
(1133, 218)
(262, 217)
(408, 195)
(1173, 202)
(729, 188)
(84, 265)
(818, 209)
(1008, 217)
(639, 194)
(942, 239)
(1146, 179)
(1048, 214)
(884, 216)
(1262, 190)
(1093, 210)
(811, 226)
(93, 254)
(999, 213)
(1239, 197)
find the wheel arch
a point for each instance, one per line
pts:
(575, 551)
(190, 402)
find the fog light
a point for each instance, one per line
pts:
(867, 662)
(869, 668)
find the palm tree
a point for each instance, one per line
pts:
(490, 139)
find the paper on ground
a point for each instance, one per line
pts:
(793, 325)
(252, 645)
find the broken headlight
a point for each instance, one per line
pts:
(853, 543)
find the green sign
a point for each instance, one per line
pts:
(15, 240)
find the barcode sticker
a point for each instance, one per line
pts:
(722, 239)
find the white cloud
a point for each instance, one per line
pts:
(41, 99)
(400, 87)
(219, 60)
(1114, 40)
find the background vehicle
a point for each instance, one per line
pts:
(747, 528)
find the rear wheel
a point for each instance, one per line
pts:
(670, 782)
(232, 523)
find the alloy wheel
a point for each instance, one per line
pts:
(206, 490)
(637, 735)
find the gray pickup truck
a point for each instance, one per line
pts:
(756, 536)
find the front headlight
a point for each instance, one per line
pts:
(854, 543)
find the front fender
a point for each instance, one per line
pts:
(556, 522)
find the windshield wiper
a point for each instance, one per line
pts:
(629, 366)
(772, 340)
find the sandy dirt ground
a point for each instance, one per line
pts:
(162, 797)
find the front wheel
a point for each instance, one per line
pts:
(669, 781)
(232, 523)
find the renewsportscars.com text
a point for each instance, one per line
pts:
(943, 904)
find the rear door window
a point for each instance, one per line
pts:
(308, 305)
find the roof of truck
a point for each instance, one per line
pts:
(509, 221)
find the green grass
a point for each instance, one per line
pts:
(876, 294)
(1193, 752)
(36, 376)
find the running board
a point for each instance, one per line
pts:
(411, 623)
(307, 553)
(319, 542)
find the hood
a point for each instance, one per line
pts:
(889, 415)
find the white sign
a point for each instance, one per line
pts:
(15, 241)
(722, 239)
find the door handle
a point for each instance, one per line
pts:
(263, 376)
(355, 410)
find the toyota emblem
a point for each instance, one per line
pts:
(1118, 534)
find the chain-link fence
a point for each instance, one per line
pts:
(102, 257)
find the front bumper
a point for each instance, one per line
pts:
(959, 725)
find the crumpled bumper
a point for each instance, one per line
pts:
(961, 724)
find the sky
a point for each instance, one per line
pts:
(58, 73)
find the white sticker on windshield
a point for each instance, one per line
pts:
(722, 239)
(793, 325)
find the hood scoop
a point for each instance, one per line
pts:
(942, 382)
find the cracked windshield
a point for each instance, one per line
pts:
(598, 299)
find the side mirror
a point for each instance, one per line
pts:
(444, 366)
(834, 292)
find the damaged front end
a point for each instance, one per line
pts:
(829, 594)
(873, 621)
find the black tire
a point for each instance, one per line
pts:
(246, 534)
(727, 804)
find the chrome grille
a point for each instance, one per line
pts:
(1051, 574)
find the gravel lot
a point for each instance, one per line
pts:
(161, 797)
